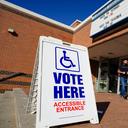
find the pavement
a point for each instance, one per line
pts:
(24, 119)
(7, 110)
(13, 106)
(113, 111)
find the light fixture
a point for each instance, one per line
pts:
(11, 30)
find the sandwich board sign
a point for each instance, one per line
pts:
(65, 89)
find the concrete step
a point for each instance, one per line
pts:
(7, 110)
(24, 120)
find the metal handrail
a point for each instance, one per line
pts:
(11, 76)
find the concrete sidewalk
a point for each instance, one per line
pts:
(7, 110)
(24, 120)
(13, 110)
(113, 111)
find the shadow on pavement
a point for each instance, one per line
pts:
(102, 107)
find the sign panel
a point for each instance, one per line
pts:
(110, 14)
(65, 90)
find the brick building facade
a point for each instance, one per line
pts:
(18, 49)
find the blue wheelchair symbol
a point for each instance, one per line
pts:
(66, 59)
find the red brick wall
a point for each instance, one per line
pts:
(18, 53)
(82, 36)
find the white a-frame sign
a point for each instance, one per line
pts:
(65, 89)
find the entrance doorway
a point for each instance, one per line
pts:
(107, 75)
(103, 72)
(113, 75)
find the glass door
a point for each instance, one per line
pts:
(103, 76)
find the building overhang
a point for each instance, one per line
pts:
(111, 48)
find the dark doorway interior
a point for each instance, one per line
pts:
(113, 76)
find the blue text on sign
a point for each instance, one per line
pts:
(67, 78)
(68, 91)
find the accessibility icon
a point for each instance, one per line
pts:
(66, 59)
